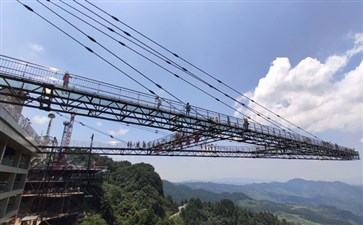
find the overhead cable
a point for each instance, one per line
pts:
(199, 69)
(169, 61)
(93, 40)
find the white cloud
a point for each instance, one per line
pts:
(113, 143)
(120, 132)
(358, 39)
(40, 119)
(99, 123)
(35, 48)
(311, 94)
(358, 45)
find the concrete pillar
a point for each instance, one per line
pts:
(3, 143)
(3, 204)
(11, 180)
(17, 158)
(20, 182)
(17, 203)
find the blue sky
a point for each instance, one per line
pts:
(301, 59)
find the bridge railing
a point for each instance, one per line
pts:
(210, 147)
(54, 77)
(138, 145)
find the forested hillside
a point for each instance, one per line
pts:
(297, 191)
(297, 201)
(182, 192)
(133, 194)
(224, 212)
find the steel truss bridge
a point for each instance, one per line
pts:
(27, 84)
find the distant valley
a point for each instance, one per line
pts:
(298, 201)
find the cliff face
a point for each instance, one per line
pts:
(133, 194)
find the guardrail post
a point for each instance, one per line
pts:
(26, 65)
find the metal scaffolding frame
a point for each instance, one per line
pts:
(41, 87)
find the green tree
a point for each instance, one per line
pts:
(94, 219)
(193, 214)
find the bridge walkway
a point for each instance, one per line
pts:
(36, 86)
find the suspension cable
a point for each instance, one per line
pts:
(109, 51)
(90, 50)
(199, 69)
(183, 69)
(93, 40)
(169, 61)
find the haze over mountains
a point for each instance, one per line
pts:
(298, 201)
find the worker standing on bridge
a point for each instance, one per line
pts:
(245, 123)
(158, 102)
(55, 142)
(66, 78)
(187, 108)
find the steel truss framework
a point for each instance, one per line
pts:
(39, 87)
(204, 151)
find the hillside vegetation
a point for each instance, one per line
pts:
(297, 201)
(297, 191)
(224, 212)
(133, 194)
(183, 192)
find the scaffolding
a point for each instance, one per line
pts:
(53, 192)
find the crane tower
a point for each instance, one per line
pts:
(66, 138)
(67, 132)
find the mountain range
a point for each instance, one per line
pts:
(298, 201)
